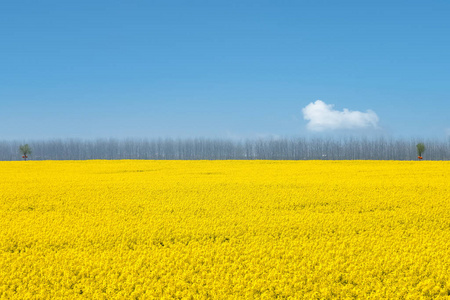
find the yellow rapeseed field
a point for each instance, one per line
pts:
(224, 229)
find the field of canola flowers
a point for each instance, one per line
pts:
(224, 229)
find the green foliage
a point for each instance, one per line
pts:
(420, 148)
(25, 150)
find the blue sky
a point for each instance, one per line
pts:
(233, 69)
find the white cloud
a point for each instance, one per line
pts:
(322, 116)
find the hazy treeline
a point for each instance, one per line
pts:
(202, 148)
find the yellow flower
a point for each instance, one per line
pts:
(224, 229)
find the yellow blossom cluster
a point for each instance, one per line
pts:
(135, 229)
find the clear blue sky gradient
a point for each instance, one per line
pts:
(101, 69)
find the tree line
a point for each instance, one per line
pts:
(212, 149)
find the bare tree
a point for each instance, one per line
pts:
(300, 148)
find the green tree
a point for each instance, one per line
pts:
(25, 150)
(420, 149)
